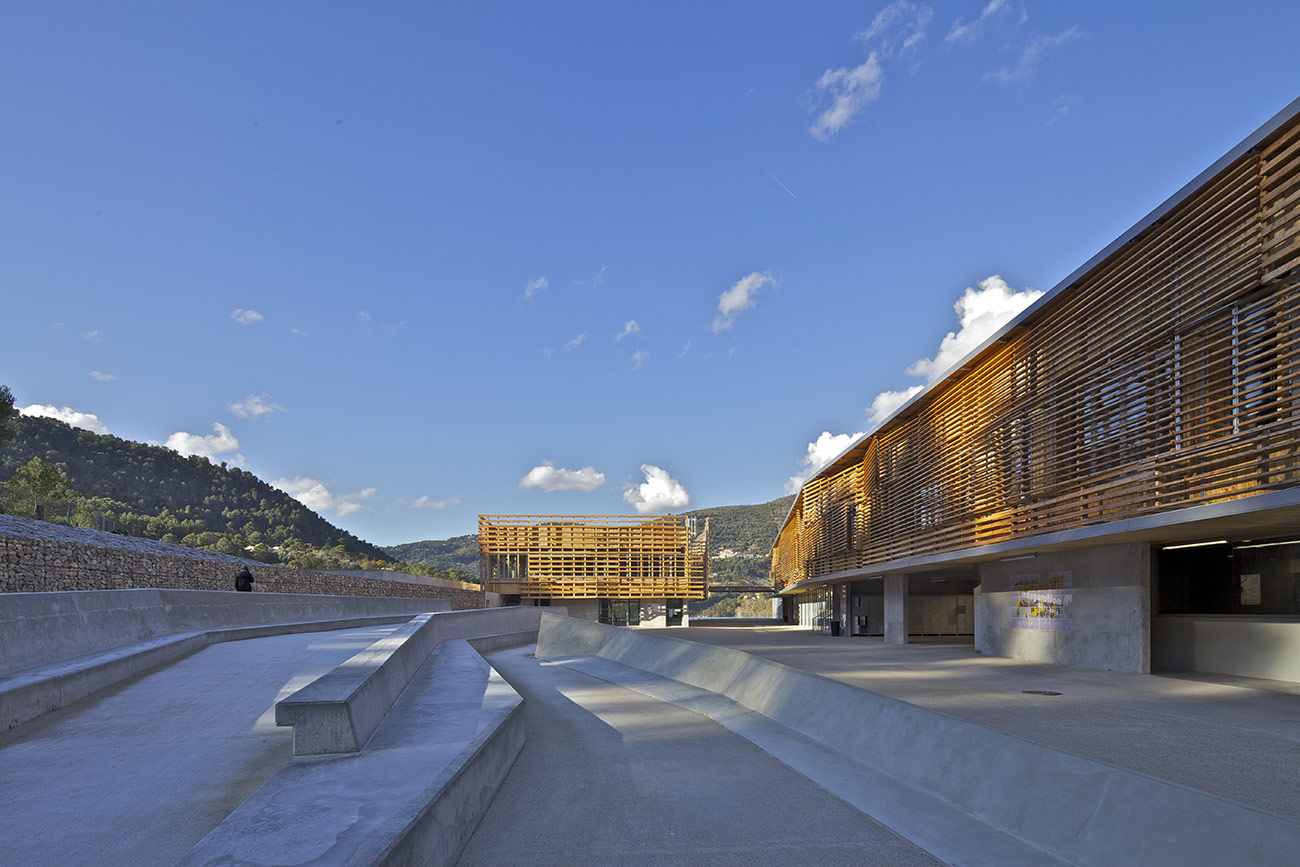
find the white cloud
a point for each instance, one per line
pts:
(738, 298)
(1032, 55)
(981, 312)
(629, 327)
(1060, 109)
(314, 494)
(897, 31)
(255, 405)
(549, 477)
(685, 349)
(576, 342)
(899, 27)
(364, 316)
(245, 317)
(68, 415)
(821, 452)
(639, 358)
(426, 503)
(884, 404)
(599, 278)
(535, 285)
(659, 492)
(849, 91)
(102, 377)
(298, 331)
(963, 32)
(95, 336)
(217, 443)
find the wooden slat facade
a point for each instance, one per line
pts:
(594, 556)
(1166, 376)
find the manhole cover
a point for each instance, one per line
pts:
(1040, 692)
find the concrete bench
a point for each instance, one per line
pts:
(338, 712)
(413, 794)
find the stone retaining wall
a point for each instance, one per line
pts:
(39, 557)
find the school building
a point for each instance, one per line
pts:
(1110, 481)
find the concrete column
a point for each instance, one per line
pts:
(896, 609)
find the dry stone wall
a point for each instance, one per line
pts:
(39, 557)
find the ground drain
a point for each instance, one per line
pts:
(1040, 692)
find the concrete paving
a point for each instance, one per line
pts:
(1235, 738)
(610, 775)
(140, 772)
(414, 794)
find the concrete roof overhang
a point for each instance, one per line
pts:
(1261, 516)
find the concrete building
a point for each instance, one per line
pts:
(1110, 481)
(617, 569)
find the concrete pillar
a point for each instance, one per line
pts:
(896, 609)
(837, 607)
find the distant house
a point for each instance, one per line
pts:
(1113, 479)
(618, 569)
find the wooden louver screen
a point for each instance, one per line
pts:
(595, 556)
(1166, 377)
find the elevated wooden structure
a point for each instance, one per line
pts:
(594, 556)
(1162, 375)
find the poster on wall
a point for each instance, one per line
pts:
(1042, 603)
(1250, 590)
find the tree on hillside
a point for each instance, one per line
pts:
(36, 484)
(6, 414)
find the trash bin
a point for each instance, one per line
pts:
(835, 629)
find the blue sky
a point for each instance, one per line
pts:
(414, 262)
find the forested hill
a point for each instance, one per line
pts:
(458, 552)
(153, 492)
(746, 531)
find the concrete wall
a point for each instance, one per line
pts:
(1101, 598)
(38, 628)
(1227, 644)
(394, 575)
(582, 609)
(653, 611)
(37, 557)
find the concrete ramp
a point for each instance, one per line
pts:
(58, 648)
(399, 751)
(1079, 810)
(413, 796)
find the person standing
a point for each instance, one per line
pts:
(244, 581)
